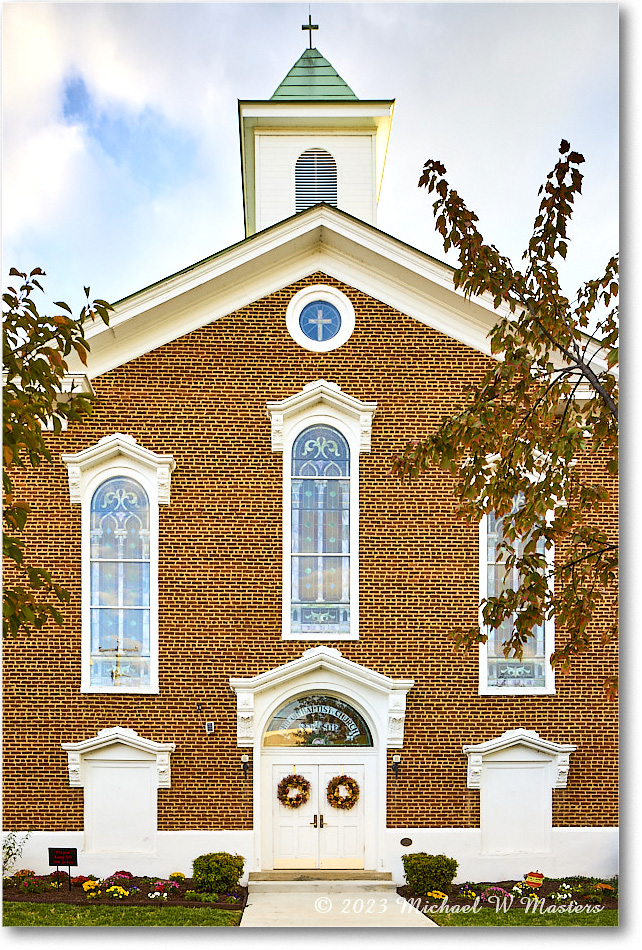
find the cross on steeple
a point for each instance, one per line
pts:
(310, 26)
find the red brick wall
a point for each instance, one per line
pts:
(202, 398)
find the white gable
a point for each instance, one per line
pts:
(320, 239)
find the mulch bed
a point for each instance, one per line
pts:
(76, 895)
(548, 887)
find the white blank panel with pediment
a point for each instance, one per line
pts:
(515, 807)
(120, 806)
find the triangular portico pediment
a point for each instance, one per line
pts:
(321, 667)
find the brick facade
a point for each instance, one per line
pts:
(202, 398)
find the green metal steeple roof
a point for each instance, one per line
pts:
(312, 77)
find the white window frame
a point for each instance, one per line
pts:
(321, 403)
(113, 456)
(329, 295)
(549, 630)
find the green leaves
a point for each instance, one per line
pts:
(35, 348)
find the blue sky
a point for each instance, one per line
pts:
(121, 152)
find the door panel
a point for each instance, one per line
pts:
(296, 840)
(341, 841)
(339, 844)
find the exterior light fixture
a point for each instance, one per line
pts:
(396, 761)
(245, 764)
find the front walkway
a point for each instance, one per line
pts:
(325, 903)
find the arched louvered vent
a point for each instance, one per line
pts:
(315, 179)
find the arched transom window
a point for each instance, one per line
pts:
(320, 551)
(317, 720)
(315, 179)
(120, 584)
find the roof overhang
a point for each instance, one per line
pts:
(328, 115)
(321, 239)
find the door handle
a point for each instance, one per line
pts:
(315, 822)
(320, 821)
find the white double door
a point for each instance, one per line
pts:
(317, 835)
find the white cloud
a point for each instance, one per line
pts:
(489, 88)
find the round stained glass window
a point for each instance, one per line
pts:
(320, 321)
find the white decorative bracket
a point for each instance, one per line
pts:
(111, 739)
(512, 745)
(112, 449)
(324, 397)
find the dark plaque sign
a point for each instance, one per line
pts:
(406, 842)
(63, 857)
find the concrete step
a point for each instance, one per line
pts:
(315, 875)
(321, 886)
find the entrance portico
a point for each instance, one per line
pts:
(364, 716)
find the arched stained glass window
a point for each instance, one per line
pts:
(315, 179)
(320, 551)
(120, 584)
(317, 720)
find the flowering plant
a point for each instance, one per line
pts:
(157, 896)
(494, 891)
(165, 887)
(118, 877)
(177, 876)
(439, 895)
(563, 893)
(117, 892)
(522, 889)
(35, 884)
(90, 886)
(467, 891)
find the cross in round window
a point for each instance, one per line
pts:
(320, 320)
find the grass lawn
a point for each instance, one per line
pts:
(25, 914)
(489, 917)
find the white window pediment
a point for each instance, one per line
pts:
(519, 746)
(321, 397)
(516, 774)
(119, 744)
(113, 449)
(120, 773)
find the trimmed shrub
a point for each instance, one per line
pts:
(218, 872)
(428, 872)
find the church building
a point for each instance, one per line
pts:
(256, 657)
